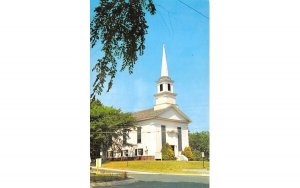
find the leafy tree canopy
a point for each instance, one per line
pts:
(199, 142)
(107, 127)
(121, 27)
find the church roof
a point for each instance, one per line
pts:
(151, 114)
(146, 114)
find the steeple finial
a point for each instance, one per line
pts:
(164, 67)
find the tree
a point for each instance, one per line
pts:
(121, 27)
(199, 142)
(188, 153)
(107, 127)
(197, 155)
(167, 152)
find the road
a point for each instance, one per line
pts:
(166, 181)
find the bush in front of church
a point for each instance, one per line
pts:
(167, 152)
(188, 153)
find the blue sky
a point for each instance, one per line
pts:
(185, 34)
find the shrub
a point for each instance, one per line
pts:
(188, 153)
(167, 152)
(197, 156)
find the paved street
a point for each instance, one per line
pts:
(166, 181)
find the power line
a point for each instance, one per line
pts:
(164, 22)
(168, 17)
(194, 9)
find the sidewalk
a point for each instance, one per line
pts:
(203, 172)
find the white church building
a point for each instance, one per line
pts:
(164, 123)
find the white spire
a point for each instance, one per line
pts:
(164, 67)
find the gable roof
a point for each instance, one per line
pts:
(146, 114)
(151, 114)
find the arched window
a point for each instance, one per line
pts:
(169, 87)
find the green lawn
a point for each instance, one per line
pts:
(178, 167)
(104, 177)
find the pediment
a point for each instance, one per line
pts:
(174, 114)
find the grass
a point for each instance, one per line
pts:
(105, 177)
(177, 167)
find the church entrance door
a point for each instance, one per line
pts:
(173, 148)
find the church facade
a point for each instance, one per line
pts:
(164, 123)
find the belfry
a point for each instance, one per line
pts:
(165, 95)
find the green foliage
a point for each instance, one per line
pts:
(107, 126)
(121, 27)
(199, 142)
(197, 156)
(188, 153)
(106, 177)
(167, 152)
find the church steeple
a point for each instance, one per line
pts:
(164, 66)
(165, 95)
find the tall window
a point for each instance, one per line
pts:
(179, 139)
(169, 87)
(124, 138)
(139, 135)
(160, 87)
(163, 135)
